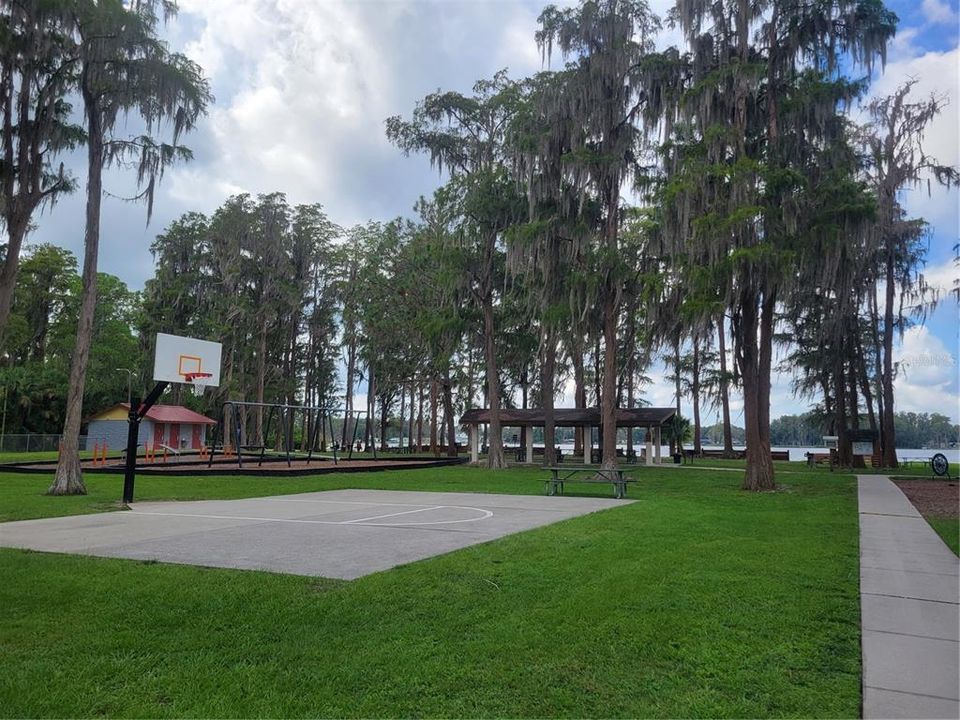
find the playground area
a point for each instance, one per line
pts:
(248, 464)
(342, 534)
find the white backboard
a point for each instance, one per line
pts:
(176, 356)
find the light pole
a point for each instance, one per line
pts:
(130, 374)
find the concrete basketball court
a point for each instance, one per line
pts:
(338, 534)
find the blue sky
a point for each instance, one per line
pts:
(303, 88)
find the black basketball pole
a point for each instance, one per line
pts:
(136, 414)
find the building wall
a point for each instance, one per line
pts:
(114, 433)
(115, 413)
(183, 442)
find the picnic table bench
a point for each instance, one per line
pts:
(616, 477)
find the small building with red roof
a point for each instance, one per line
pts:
(173, 426)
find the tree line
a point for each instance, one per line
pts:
(913, 430)
(701, 204)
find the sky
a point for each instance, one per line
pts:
(303, 88)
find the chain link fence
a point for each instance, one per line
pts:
(33, 442)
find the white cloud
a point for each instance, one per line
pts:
(937, 12)
(304, 88)
(302, 82)
(936, 73)
(943, 278)
(927, 375)
(903, 44)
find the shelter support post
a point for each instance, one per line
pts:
(474, 443)
(529, 438)
(587, 443)
(659, 441)
(649, 446)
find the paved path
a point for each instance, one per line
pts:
(908, 609)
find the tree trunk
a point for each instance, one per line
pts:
(448, 414)
(413, 408)
(548, 370)
(767, 322)
(840, 413)
(877, 356)
(676, 444)
(608, 411)
(383, 422)
(753, 362)
(69, 477)
(852, 396)
(725, 391)
(888, 438)
(420, 402)
(8, 273)
(579, 393)
(495, 459)
(864, 377)
(369, 438)
(348, 391)
(258, 438)
(22, 189)
(434, 399)
(695, 391)
(403, 416)
(631, 372)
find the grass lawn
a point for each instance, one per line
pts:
(22, 457)
(948, 529)
(698, 600)
(781, 466)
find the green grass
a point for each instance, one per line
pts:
(699, 600)
(23, 457)
(912, 472)
(948, 529)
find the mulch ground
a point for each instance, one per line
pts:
(281, 465)
(191, 464)
(938, 498)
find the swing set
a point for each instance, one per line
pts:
(318, 420)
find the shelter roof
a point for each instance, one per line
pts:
(571, 417)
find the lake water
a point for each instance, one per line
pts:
(799, 453)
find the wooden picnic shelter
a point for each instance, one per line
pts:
(650, 418)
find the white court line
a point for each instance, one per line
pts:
(332, 502)
(380, 517)
(485, 514)
(234, 517)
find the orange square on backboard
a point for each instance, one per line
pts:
(189, 364)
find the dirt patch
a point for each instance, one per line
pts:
(937, 498)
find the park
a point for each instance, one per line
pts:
(618, 382)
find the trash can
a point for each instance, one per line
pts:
(677, 458)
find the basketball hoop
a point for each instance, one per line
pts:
(198, 380)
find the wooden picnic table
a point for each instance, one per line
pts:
(560, 475)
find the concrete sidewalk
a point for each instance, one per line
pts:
(908, 609)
